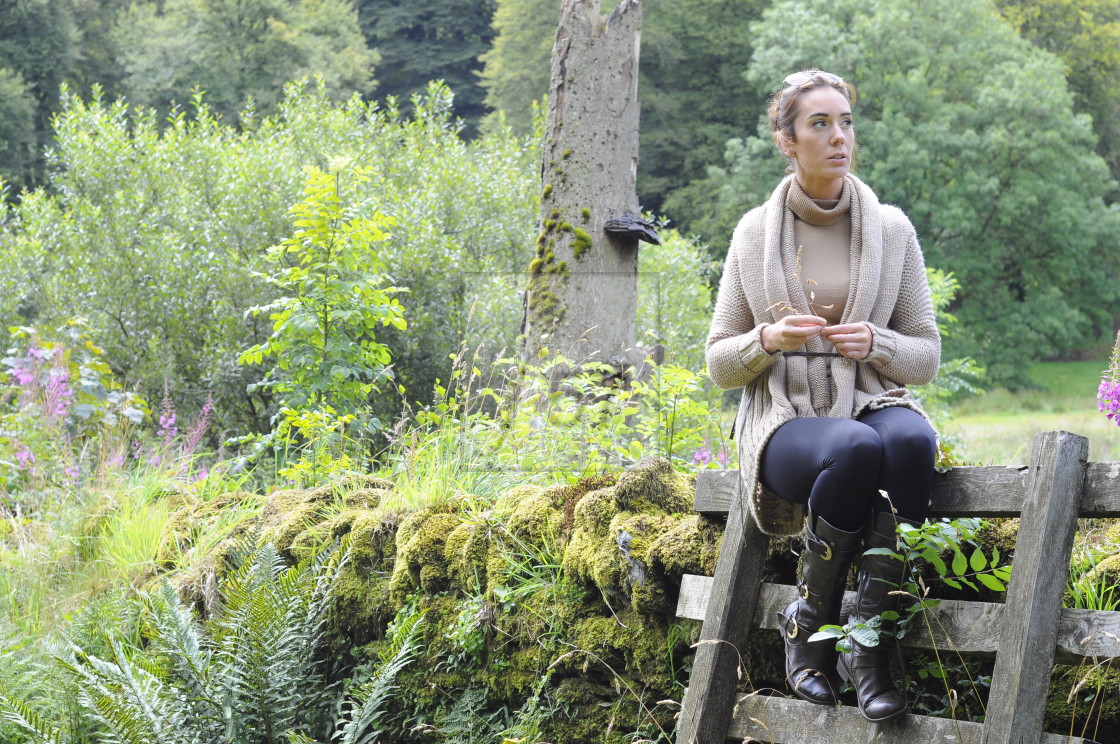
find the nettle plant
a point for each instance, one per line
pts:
(334, 298)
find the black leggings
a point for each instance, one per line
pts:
(838, 466)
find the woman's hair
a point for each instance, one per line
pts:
(784, 104)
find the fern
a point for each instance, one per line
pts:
(368, 699)
(22, 716)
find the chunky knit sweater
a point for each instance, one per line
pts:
(888, 291)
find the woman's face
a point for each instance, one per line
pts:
(822, 152)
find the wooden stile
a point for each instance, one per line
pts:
(1027, 634)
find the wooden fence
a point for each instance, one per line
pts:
(1027, 634)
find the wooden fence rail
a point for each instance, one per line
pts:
(1027, 634)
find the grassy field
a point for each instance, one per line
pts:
(997, 427)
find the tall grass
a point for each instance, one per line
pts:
(997, 427)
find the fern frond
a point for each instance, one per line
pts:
(17, 712)
(368, 699)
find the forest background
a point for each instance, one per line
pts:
(249, 248)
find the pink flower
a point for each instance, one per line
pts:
(25, 458)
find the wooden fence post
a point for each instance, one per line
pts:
(1033, 610)
(711, 694)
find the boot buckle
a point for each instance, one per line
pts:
(803, 590)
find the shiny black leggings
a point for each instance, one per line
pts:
(838, 466)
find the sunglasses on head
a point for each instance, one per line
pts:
(797, 79)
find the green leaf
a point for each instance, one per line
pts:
(865, 636)
(991, 582)
(978, 562)
(960, 563)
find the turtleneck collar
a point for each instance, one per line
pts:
(819, 212)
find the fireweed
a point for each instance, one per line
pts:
(1108, 394)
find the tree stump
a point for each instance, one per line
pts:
(583, 282)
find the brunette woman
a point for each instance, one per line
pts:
(824, 318)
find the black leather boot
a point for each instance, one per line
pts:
(867, 668)
(810, 667)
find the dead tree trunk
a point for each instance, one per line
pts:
(583, 285)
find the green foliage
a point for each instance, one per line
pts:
(238, 50)
(328, 361)
(424, 40)
(254, 673)
(1085, 34)
(968, 128)
(928, 542)
(522, 419)
(18, 143)
(516, 67)
(158, 236)
(675, 297)
(690, 85)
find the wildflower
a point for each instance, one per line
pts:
(167, 428)
(22, 377)
(1108, 392)
(58, 395)
(25, 458)
(194, 435)
(702, 456)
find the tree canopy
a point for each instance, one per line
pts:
(234, 49)
(424, 40)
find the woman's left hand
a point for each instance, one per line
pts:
(852, 340)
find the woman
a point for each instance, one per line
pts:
(824, 317)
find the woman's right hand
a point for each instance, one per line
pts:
(791, 332)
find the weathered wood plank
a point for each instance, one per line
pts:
(967, 627)
(788, 721)
(708, 703)
(1032, 614)
(961, 492)
(1102, 490)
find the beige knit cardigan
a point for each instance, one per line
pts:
(888, 291)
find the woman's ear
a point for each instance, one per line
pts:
(786, 145)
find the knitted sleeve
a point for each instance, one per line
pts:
(908, 350)
(734, 349)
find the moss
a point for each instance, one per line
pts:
(1095, 708)
(615, 528)
(421, 560)
(549, 225)
(467, 552)
(690, 547)
(535, 266)
(581, 243)
(652, 485)
(360, 610)
(287, 514)
(586, 713)
(633, 645)
(546, 192)
(565, 227)
(538, 512)
(585, 213)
